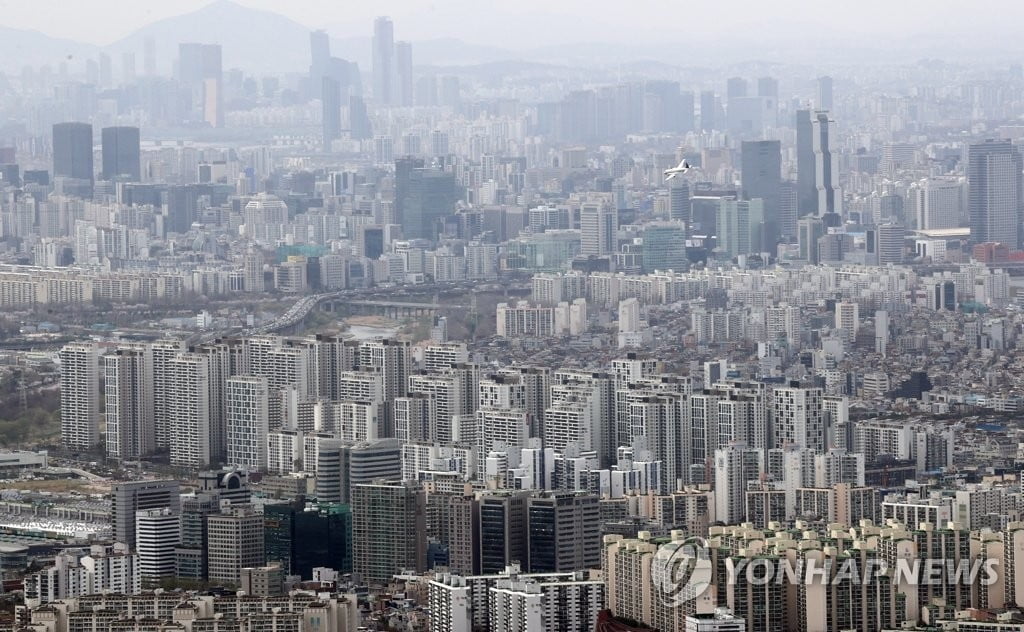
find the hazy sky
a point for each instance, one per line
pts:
(527, 23)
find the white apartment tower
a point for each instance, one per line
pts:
(128, 400)
(79, 396)
(248, 422)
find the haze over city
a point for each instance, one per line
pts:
(511, 317)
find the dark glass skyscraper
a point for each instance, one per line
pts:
(303, 538)
(806, 190)
(331, 101)
(72, 151)
(121, 154)
(761, 178)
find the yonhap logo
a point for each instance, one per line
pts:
(681, 571)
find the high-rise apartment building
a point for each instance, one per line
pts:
(247, 421)
(79, 396)
(128, 402)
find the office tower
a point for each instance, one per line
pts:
(383, 60)
(787, 211)
(806, 189)
(248, 421)
(889, 238)
(735, 87)
(937, 203)
(330, 99)
(157, 535)
(995, 192)
(127, 68)
(302, 538)
(130, 497)
(121, 154)
(72, 151)
(403, 74)
(664, 247)
(502, 527)
(768, 87)
(359, 124)
(679, 200)
(388, 526)
(740, 226)
(191, 561)
(826, 165)
(200, 72)
(809, 231)
(79, 396)
(320, 54)
(599, 225)
(106, 71)
(798, 417)
(564, 532)
(449, 94)
(149, 57)
(128, 402)
(213, 86)
(761, 172)
(234, 542)
(423, 198)
(708, 111)
(824, 101)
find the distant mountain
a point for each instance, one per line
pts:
(256, 41)
(31, 48)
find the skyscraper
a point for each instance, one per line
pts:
(824, 101)
(128, 398)
(200, 72)
(806, 191)
(762, 178)
(708, 111)
(330, 99)
(79, 396)
(72, 151)
(121, 154)
(995, 194)
(320, 53)
(383, 60)
(599, 225)
(247, 421)
(826, 165)
(403, 74)
(740, 226)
